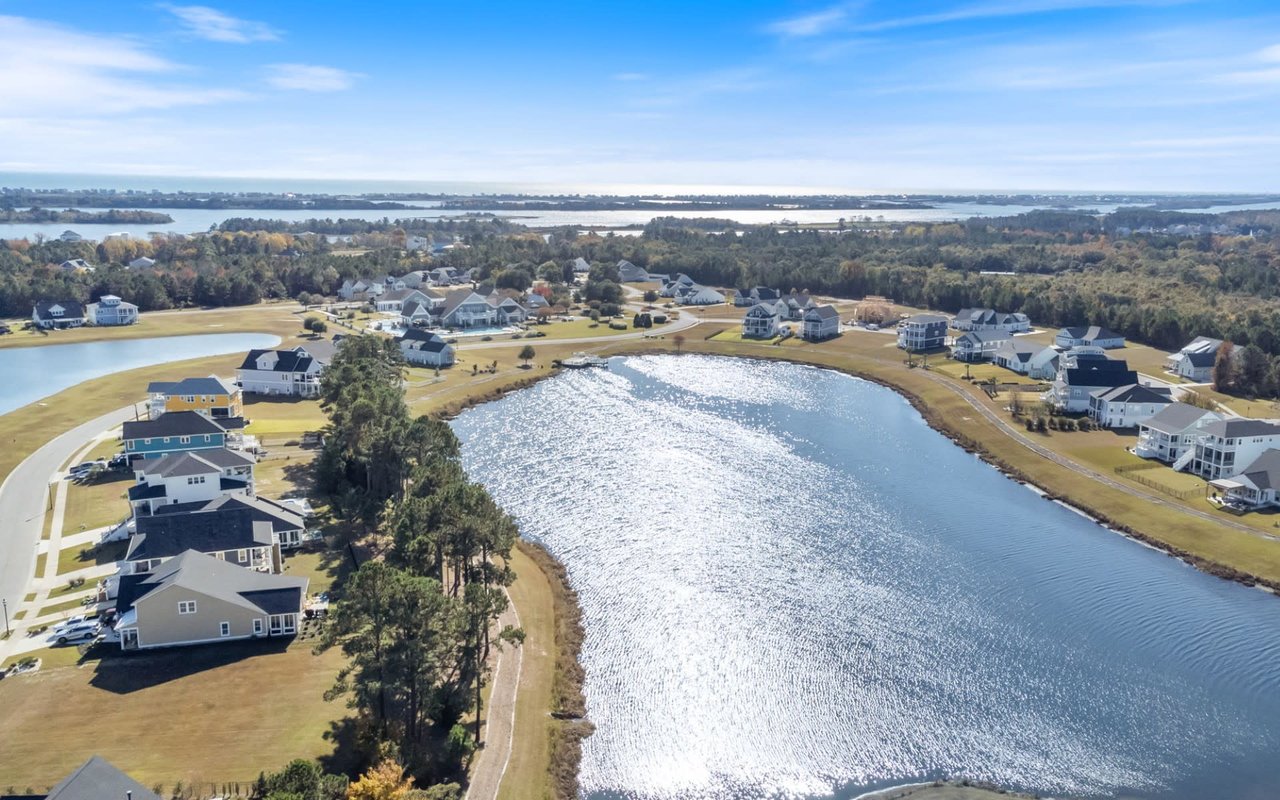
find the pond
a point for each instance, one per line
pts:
(793, 587)
(48, 369)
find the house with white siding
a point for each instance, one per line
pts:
(987, 319)
(111, 310)
(287, 373)
(1015, 355)
(820, 322)
(1128, 406)
(1090, 336)
(1224, 448)
(979, 345)
(190, 477)
(761, 321)
(424, 349)
(58, 314)
(1172, 431)
(1195, 360)
(921, 332)
(1077, 380)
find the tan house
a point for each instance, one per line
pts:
(197, 599)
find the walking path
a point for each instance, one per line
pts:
(500, 721)
(24, 501)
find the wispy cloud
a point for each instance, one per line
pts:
(815, 24)
(92, 73)
(1263, 70)
(310, 77)
(211, 24)
(630, 76)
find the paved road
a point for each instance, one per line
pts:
(24, 496)
(500, 717)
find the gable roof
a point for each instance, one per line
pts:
(167, 535)
(71, 309)
(926, 319)
(1241, 428)
(298, 359)
(203, 462)
(1176, 417)
(1101, 373)
(456, 298)
(1134, 393)
(981, 337)
(98, 779)
(203, 386)
(822, 313)
(1202, 344)
(1090, 334)
(172, 423)
(1206, 358)
(281, 518)
(1017, 349)
(1264, 472)
(226, 581)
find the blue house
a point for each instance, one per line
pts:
(174, 432)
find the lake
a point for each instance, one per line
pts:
(793, 587)
(61, 366)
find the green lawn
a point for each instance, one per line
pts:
(280, 318)
(280, 420)
(74, 558)
(66, 605)
(579, 328)
(256, 706)
(67, 588)
(97, 503)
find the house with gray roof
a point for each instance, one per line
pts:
(58, 314)
(1091, 336)
(174, 432)
(979, 345)
(1196, 359)
(988, 319)
(1015, 354)
(1128, 406)
(395, 300)
(699, 296)
(141, 262)
(188, 477)
(97, 779)
(288, 525)
(1256, 486)
(232, 534)
(1172, 431)
(762, 319)
(921, 332)
(424, 349)
(1224, 448)
(289, 373)
(630, 273)
(194, 598)
(1077, 380)
(210, 396)
(111, 310)
(820, 322)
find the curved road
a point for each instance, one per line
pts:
(24, 497)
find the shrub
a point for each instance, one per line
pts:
(659, 319)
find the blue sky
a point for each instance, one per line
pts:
(860, 96)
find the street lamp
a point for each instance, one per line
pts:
(5, 602)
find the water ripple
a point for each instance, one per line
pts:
(792, 587)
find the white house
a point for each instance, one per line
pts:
(190, 477)
(580, 265)
(761, 321)
(426, 349)
(820, 322)
(630, 273)
(1195, 361)
(700, 296)
(1092, 336)
(71, 236)
(1015, 355)
(986, 319)
(395, 300)
(1073, 388)
(58, 314)
(1227, 446)
(111, 310)
(1172, 431)
(1127, 406)
(1043, 366)
(1254, 487)
(922, 332)
(671, 287)
(979, 345)
(77, 265)
(292, 373)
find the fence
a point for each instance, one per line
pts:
(1131, 471)
(1125, 469)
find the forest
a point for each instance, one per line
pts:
(1060, 268)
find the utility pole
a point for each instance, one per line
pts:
(7, 632)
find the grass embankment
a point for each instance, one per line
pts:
(547, 749)
(262, 318)
(97, 503)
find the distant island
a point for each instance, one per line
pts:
(13, 198)
(76, 217)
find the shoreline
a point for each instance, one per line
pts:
(568, 721)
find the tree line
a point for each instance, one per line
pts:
(415, 620)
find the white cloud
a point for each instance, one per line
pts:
(90, 74)
(813, 24)
(630, 76)
(212, 24)
(310, 77)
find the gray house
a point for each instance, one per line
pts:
(820, 322)
(195, 599)
(229, 534)
(111, 310)
(630, 273)
(922, 332)
(97, 779)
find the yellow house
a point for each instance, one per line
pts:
(213, 397)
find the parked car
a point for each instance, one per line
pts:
(119, 461)
(69, 622)
(77, 633)
(81, 469)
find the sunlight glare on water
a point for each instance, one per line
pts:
(793, 587)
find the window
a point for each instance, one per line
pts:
(224, 629)
(242, 556)
(146, 441)
(208, 438)
(184, 439)
(257, 627)
(186, 606)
